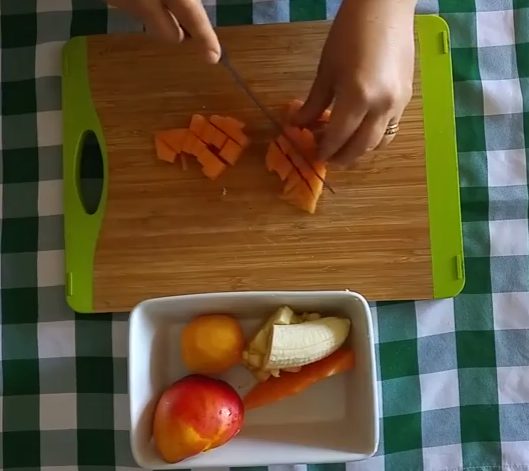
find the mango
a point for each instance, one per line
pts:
(194, 415)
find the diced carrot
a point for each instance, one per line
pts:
(301, 197)
(283, 144)
(232, 130)
(219, 139)
(277, 162)
(208, 133)
(174, 138)
(289, 384)
(234, 122)
(192, 144)
(212, 166)
(163, 150)
(197, 125)
(188, 145)
(307, 164)
(293, 180)
(230, 152)
(303, 185)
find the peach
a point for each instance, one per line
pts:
(196, 414)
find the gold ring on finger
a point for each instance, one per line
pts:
(392, 129)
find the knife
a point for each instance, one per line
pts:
(225, 60)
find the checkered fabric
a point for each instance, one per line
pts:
(453, 374)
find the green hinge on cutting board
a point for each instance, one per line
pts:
(80, 117)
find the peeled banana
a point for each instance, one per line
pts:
(300, 344)
(288, 341)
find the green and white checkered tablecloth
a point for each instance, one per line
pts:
(454, 374)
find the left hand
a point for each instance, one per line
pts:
(366, 68)
(170, 20)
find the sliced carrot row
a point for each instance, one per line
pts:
(297, 165)
(215, 143)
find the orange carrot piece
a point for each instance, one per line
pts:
(219, 139)
(284, 145)
(277, 162)
(174, 138)
(301, 197)
(192, 144)
(208, 133)
(288, 384)
(198, 124)
(212, 166)
(163, 150)
(306, 143)
(293, 180)
(230, 152)
(234, 122)
(232, 130)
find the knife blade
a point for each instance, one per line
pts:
(226, 62)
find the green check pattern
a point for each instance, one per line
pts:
(453, 374)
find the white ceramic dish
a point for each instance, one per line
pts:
(335, 420)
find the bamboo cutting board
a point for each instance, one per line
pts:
(391, 231)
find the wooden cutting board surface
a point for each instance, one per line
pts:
(165, 231)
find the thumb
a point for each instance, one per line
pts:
(320, 97)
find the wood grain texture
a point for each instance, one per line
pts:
(168, 232)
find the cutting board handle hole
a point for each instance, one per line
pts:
(90, 172)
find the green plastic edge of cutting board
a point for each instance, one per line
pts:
(446, 242)
(80, 228)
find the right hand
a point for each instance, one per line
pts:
(172, 20)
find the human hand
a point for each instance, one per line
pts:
(366, 68)
(172, 20)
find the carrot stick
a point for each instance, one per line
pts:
(288, 384)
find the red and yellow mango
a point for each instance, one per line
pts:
(194, 415)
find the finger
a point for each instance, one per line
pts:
(367, 137)
(194, 19)
(164, 25)
(320, 97)
(344, 123)
(155, 17)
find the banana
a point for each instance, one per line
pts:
(300, 344)
(288, 341)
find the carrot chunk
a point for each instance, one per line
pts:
(163, 150)
(293, 181)
(191, 142)
(301, 197)
(231, 129)
(208, 133)
(173, 138)
(303, 183)
(277, 162)
(230, 152)
(212, 166)
(289, 384)
(219, 138)
(198, 124)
